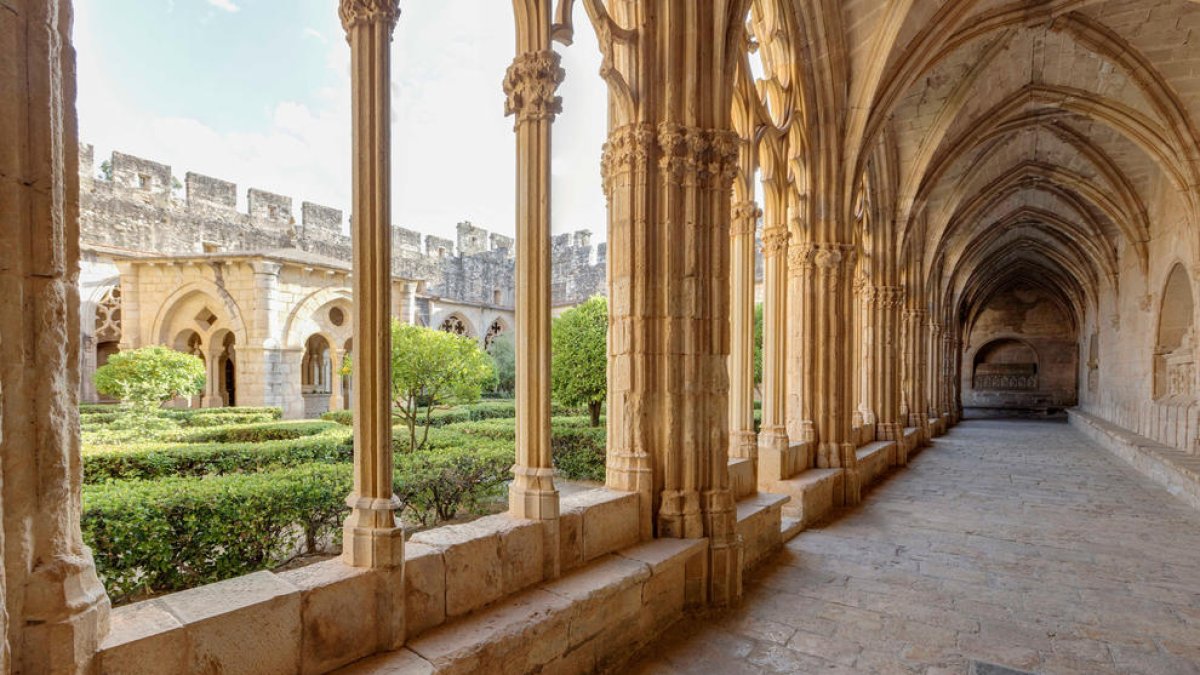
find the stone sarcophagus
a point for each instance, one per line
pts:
(1006, 377)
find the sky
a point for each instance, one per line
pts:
(258, 92)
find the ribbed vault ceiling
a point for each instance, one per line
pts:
(1003, 143)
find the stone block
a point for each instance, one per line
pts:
(522, 551)
(250, 625)
(399, 662)
(474, 571)
(570, 538)
(609, 520)
(143, 638)
(424, 587)
(338, 613)
(741, 477)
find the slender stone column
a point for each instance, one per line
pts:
(773, 438)
(933, 386)
(530, 86)
(54, 610)
(800, 344)
(372, 536)
(743, 443)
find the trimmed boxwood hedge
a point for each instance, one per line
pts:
(154, 536)
(255, 433)
(165, 460)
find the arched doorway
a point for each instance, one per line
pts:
(1174, 349)
(226, 370)
(316, 375)
(190, 342)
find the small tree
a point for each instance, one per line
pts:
(147, 377)
(758, 343)
(579, 356)
(431, 367)
(504, 355)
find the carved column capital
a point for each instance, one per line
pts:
(889, 297)
(800, 257)
(357, 12)
(530, 84)
(627, 150)
(775, 241)
(745, 218)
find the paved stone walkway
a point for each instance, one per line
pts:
(1015, 543)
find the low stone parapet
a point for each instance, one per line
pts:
(1177, 471)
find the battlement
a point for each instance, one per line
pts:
(135, 204)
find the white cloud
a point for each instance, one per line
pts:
(226, 5)
(314, 33)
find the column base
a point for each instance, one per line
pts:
(773, 454)
(679, 515)
(532, 494)
(371, 537)
(633, 473)
(725, 550)
(67, 616)
(893, 431)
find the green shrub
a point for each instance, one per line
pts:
(162, 460)
(345, 417)
(579, 450)
(436, 484)
(255, 433)
(176, 533)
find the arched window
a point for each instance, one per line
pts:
(108, 316)
(455, 324)
(493, 332)
(316, 373)
(1174, 353)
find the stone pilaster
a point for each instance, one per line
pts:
(743, 442)
(372, 537)
(773, 437)
(55, 611)
(530, 85)
(915, 342)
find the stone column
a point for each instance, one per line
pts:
(933, 385)
(530, 85)
(915, 323)
(772, 437)
(884, 304)
(743, 442)
(335, 379)
(830, 306)
(372, 536)
(668, 168)
(800, 344)
(55, 611)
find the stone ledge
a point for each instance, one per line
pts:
(813, 493)
(584, 621)
(759, 521)
(1177, 471)
(594, 523)
(874, 460)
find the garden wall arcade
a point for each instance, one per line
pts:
(956, 199)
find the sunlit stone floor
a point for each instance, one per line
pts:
(1012, 543)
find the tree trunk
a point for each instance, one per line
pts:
(594, 411)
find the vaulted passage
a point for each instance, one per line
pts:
(1007, 542)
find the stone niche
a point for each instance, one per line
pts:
(1174, 351)
(1022, 356)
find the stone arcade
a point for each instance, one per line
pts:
(978, 203)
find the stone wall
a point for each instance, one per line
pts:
(1021, 354)
(141, 209)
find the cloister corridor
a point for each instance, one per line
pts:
(1012, 543)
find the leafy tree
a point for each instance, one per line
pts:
(431, 367)
(145, 378)
(579, 356)
(504, 355)
(106, 170)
